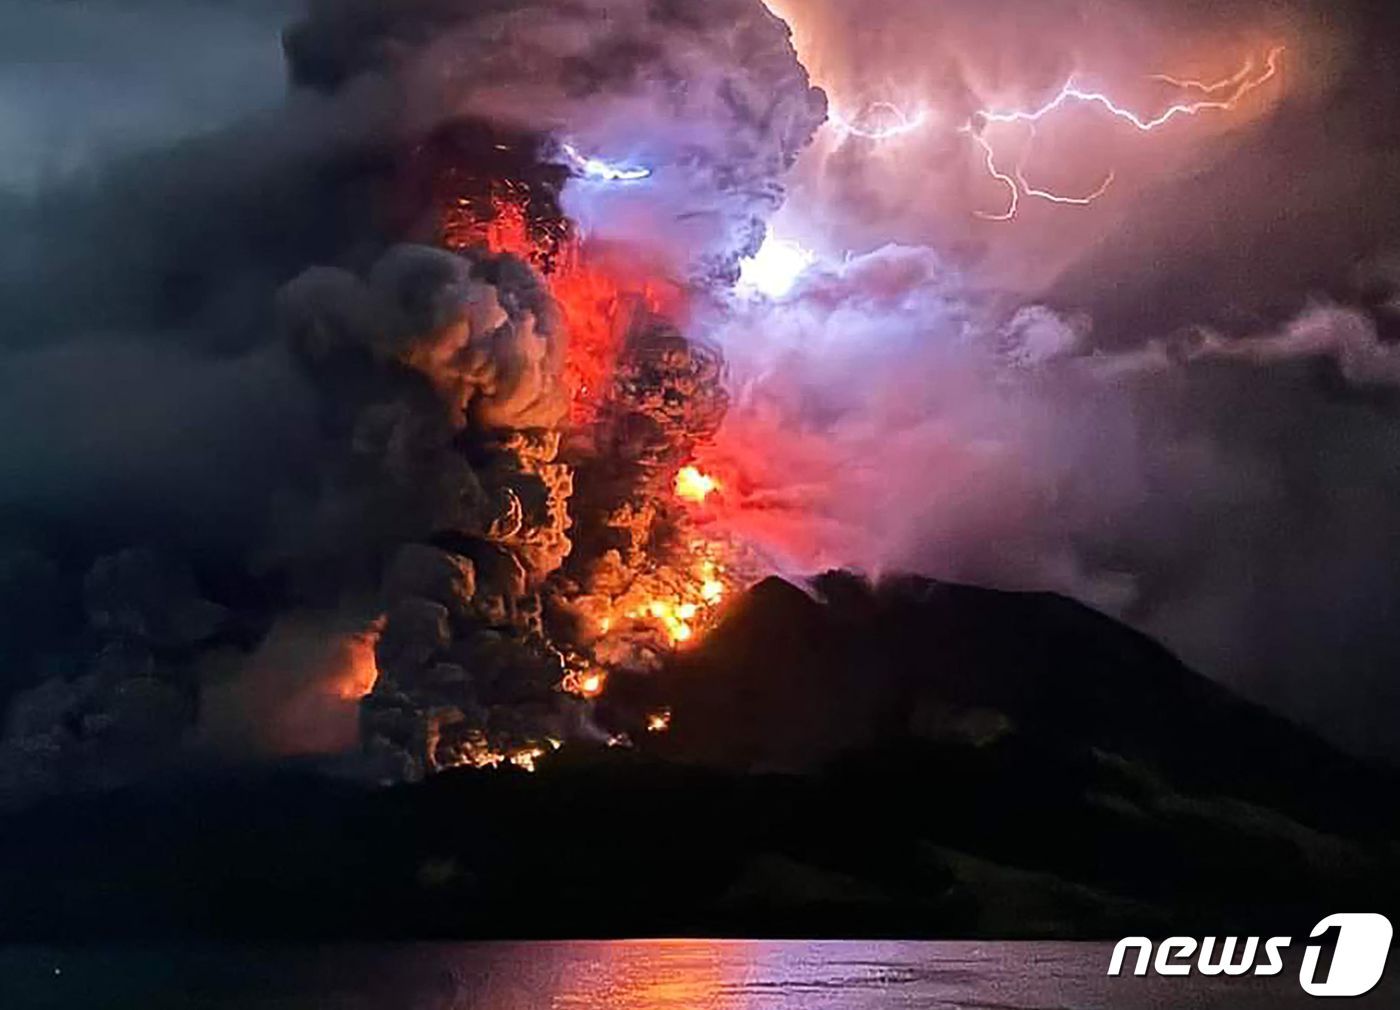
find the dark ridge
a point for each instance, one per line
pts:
(906, 759)
(789, 679)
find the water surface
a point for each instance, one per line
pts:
(628, 975)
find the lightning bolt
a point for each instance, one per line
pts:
(1214, 96)
(1017, 185)
(902, 122)
(1242, 81)
(603, 171)
(1006, 180)
(1186, 84)
(1239, 84)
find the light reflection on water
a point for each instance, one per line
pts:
(640, 975)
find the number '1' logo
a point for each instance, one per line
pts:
(1358, 957)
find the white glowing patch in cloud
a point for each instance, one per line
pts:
(775, 268)
(603, 171)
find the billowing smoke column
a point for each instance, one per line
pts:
(590, 568)
(704, 104)
(444, 376)
(493, 396)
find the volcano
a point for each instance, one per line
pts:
(843, 758)
(400, 479)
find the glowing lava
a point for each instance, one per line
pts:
(525, 759)
(597, 295)
(679, 603)
(586, 683)
(692, 484)
(662, 583)
(678, 616)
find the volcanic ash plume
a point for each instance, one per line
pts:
(443, 377)
(708, 100)
(411, 548)
(466, 519)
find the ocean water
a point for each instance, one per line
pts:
(625, 975)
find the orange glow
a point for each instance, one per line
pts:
(476, 752)
(684, 611)
(359, 672)
(694, 485)
(679, 598)
(508, 229)
(585, 683)
(659, 722)
(599, 302)
(525, 759)
(667, 605)
(669, 975)
(673, 617)
(599, 296)
(298, 692)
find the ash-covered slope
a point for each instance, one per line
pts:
(792, 679)
(910, 759)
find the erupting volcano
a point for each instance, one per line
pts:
(606, 516)
(578, 395)
(632, 575)
(588, 467)
(570, 323)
